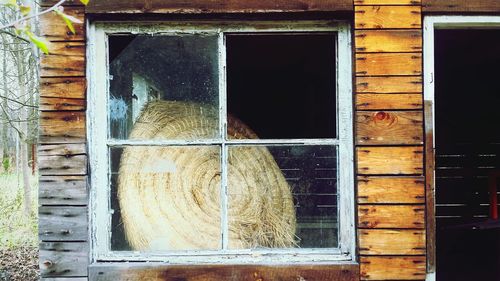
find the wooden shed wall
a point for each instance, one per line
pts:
(389, 140)
(388, 126)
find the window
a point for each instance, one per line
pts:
(231, 140)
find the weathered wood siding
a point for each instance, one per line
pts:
(463, 6)
(159, 272)
(221, 6)
(389, 140)
(63, 196)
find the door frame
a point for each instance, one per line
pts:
(432, 23)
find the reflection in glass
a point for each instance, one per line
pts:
(167, 80)
(165, 198)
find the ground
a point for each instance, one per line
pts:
(18, 232)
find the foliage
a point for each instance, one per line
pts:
(16, 229)
(22, 26)
(6, 164)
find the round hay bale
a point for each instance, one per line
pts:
(169, 196)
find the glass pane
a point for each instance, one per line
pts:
(163, 87)
(283, 85)
(282, 196)
(165, 198)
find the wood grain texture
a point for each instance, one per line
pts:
(53, 27)
(62, 223)
(66, 150)
(391, 216)
(391, 190)
(387, 2)
(388, 40)
(389, 127)
(63, 259)
(430, 187)
(62, 190)
(340, 272)
(391, 242)
(381, 64)
(392, 268)
(62, 127)
(388, 101)
(461, 6)
(62, 87)
(65, 59)
(60, 104)
(384, 17)
(62, 159)
(222, 6)
(65, 279)
(390, 160)
(384, 85)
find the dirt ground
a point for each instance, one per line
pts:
(19, 264)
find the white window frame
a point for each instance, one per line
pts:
(97, 124)
(432, 23)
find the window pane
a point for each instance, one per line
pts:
(283, 85)
(165, 198)
(163, 87)
(282, 196)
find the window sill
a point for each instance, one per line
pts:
(346, 271)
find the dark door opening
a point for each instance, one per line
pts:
(467, 130)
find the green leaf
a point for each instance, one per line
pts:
(84, 2)
(11, 3)
(24, 9)
(69, 20)
(38, 41)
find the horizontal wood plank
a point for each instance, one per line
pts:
(62, 127)
(62, 165)
(380, 64)
(390, 160)
(392, 268)
(391, 242)
(62, 87)
(310, 272)
(385, 85)
(222, 6)
(64, 259)
(380, 17)
(64, 59)
(391, 190)
(388, 101)
(62, 190)
(461, 6)
(66, 150)
(387, 2)
(391, 216)
(62, 223)
(65, 279)
(388, 40)
(389, 127)
(59, 104)
(54, 28)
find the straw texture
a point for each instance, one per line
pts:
(170, 197)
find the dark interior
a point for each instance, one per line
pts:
(467, 117)
(273, 81)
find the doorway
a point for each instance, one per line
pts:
(463, 88)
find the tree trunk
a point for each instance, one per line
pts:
(26, 179)
(5, 140)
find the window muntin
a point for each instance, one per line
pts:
(339, 149)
